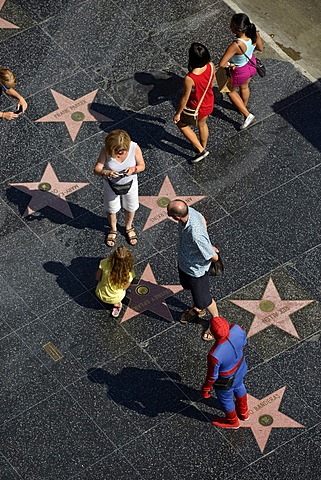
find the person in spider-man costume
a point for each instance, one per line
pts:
(224, 359)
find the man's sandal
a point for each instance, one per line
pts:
(207, 336)
(131, 239)
(191, 315)
(111, 238)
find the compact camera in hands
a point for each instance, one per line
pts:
(122, 173)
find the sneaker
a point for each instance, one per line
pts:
(116, 311)
(247, 121)
(200, 156)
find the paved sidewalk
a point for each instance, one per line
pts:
(84, 396)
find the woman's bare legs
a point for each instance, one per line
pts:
(191, 136)
(129, 217)
(238, 102)
(203, 131)
(245, 92)
(111, 237)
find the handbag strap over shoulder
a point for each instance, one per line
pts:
(252, 63)
(205, 92)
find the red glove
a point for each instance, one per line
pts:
(205, 392)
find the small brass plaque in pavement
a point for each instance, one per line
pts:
(267, 306)
(163, 202)
(44, 186)
(52, 351)
(142, 290)
(266, 420)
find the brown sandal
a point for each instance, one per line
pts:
(131, 238)
(111, 239)
(191, 315)
(207, 336)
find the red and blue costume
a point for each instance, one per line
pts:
(225, 359)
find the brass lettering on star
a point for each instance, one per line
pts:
(274, 315)
(71, 109)
(150, 300)
(264, 403)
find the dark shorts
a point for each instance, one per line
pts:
(200, 289)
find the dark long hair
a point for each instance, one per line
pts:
(198, 56)
(241, 23)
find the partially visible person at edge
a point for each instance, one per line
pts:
(7, 84)
(118, 163)
(241, 69)
(114, 276)
(223, 359)
(195, 254)
(195, 83)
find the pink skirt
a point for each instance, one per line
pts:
(241, 75)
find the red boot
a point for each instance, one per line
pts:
(241, 407)
(229, 421)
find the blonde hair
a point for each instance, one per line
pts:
(7, 78)
(121, 264)
(117, 140)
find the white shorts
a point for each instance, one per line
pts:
(113, 202)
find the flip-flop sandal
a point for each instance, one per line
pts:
(116, 311)
(110, 239)
(131, 238)
(207, 336)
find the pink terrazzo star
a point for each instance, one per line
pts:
(48, 192)
(74, 112)
(157, 204)
(4, 23)
(272, 310)
(147, 295)
(265, 415)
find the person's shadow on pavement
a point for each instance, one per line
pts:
(151, 392)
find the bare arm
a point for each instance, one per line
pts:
(214, 71)
(99, 274)
(8, 115)
(188, 85)
(13, 93)
(99, 169)
(229, 52)
(140, 164)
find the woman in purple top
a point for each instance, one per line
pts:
(248, 39)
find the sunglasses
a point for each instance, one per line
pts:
(121, 151)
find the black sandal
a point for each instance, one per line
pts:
(109, 239)
(130, 238)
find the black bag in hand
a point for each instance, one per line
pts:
(260, 68)
(216, 268)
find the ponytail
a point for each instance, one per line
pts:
(251, 32)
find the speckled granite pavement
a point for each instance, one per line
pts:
(84, 396)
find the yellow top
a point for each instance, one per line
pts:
(106, 292)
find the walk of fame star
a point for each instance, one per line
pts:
(265, 415)
(74, 112)
(147, 295)
(158, 204)
(272, 310)
(49, 192)
(4, 23)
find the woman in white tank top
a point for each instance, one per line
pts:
(118, 163)
(248, 38)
